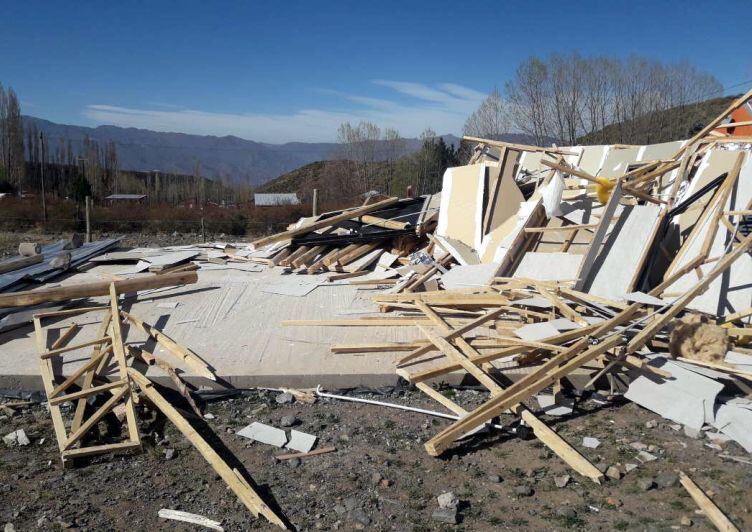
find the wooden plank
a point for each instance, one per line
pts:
(96, 417)
(82, 394)
(99, 288)
(89, 378)
(474, 324)
(192, 360)
(347, 215)
(235, 482)
(60, 350)
(63, 339)
(708, 507)
(100, 449)
(540, 429)
(77, 373)
(69, 312)
(118, 349)
(45, 369)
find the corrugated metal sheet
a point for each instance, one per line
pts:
(269, 200)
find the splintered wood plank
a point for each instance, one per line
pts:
(232, 478)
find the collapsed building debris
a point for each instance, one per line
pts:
(544, 274)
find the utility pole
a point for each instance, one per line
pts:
(315, 202)
(41, 172)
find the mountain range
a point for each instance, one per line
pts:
(230, 158)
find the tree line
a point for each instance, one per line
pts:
(564, 98)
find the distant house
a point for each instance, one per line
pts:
(275, 200)
(114, 199)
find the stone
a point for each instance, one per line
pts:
(644, 456)
(448, 500)
(630, 467)
(590, 443)
(385, 483)
(614, 473)
(288, 421)
(376, 478)
(17, 437)
(562, 481)
(667, 479)
(340, 510)
(638, 446)
(685, 521)
(209, 416)
(495, 479)
(523, 490)
(445, 515)
(259, 409)
(285, 398)
(646, 484)
(651, 424)
(359, 516)
(293, 463)
(566, 512)
(169, 454)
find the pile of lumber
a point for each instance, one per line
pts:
(113, 379)
(615, 269)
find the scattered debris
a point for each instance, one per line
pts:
(194, 519)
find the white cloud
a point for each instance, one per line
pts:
(443, 108)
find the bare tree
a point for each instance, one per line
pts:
(359, 146)
(490, 120)
(393, 148)
(529, 100)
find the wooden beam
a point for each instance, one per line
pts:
(232, 478)
(20, 262)
(708, 507)
(99, 288)
(191, 359)
(347, 215)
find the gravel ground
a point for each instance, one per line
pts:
(380, 478)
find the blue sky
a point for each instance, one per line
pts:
(292, 71)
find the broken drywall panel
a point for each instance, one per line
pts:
(160, 262)
(534, 332)
(139, 267)
(731, 291)
(551, 194)
(735, 421)
(469, 276)
(292, 285)
(264, 433)
(462, 253)
(504, 196)
(549, 266)
(592, 160)
(550, 406)
(301, 441)
(461, 211)
(563, 324)
(739, 360)
(616, 264)
(618, 160)
(687, 397)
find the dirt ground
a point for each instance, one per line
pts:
(380, 477)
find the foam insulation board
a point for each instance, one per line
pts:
(687, 397)
(461, 211)
(616, 263)
(301, 442)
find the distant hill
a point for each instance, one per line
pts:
(233, 159)
(662, 126)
